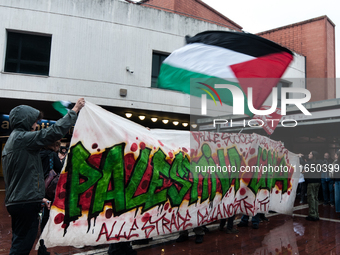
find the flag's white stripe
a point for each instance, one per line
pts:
(207, 59)
(65, 103)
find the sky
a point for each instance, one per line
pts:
(262, 15)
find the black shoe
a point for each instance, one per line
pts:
(255, 226)
(312, 218)
(199, 239)
(182, 238)
(242, 224)
(123, 248)
(131, 252)
(222, 224)
(141, 242)
(205, 229)
(264, 218)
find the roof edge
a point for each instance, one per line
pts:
(218, 13)
(237, 26)
(297, 24)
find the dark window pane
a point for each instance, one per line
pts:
(13, 42)
(155, 65)
(157, 60)
(33, 69)
(10, 67)
(28, 53)
(37, 50)
(162, 58)
(154, 82)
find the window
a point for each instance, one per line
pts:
(157, 59)
(28, 53)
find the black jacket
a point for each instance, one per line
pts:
(48, 155)
(313, 170)
(336, 167)
(22, 168)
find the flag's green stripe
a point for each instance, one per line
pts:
(60, 108)
(178, 79)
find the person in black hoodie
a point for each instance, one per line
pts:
(23, 173)
(327, 184)
(312, 172)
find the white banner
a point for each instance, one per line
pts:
(123, 182)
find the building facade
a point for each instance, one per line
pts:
(101, 50)
(106, 51)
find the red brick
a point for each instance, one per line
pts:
(194, 9)
(315, 40)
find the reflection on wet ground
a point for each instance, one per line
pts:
(283, 234)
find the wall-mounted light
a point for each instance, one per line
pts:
(128, 69)
(128, 114)
(185, 124)
(175, 123)
(154, 119)
(194, 125)
(141, 117)
(165, 121)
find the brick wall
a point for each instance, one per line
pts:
(330, 60)
(193, 8)
(314, 39)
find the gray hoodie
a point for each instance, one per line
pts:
(23, 173)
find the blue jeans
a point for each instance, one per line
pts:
(328, 191)
(337, 196)
(255, 219)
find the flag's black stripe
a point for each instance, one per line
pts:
(245, 43)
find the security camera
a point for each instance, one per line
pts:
(129, 70)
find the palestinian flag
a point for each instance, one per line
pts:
(62, 107)
(223, 57)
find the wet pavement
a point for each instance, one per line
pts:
(282, 234)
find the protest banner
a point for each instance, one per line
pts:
(123, 182)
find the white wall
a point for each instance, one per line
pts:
(92, 44)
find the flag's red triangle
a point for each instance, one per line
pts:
(261, 74)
